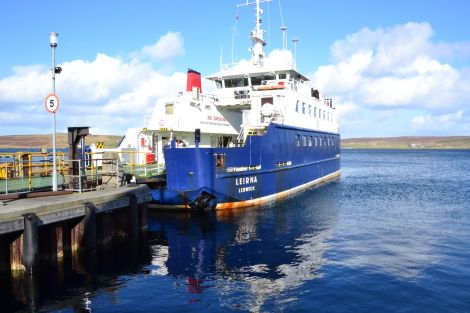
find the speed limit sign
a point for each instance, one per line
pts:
(52, 103)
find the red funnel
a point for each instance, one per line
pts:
(193, 80)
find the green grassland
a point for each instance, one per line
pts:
(453, 142)
(45, 141)
(110, 141)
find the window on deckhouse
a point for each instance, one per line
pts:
(169, 108)
(236, 82)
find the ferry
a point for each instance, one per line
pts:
(261, 135)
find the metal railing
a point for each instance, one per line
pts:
(27, 171)
(135, 163)
(93, 177)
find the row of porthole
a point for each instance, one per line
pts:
(327, 116)
(315, 141)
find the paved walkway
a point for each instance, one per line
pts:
(55, 208)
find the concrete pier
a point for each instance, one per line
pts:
(56, 227)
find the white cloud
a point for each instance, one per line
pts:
(456, 50)
(399, 67)
(108, 93)
(10, 118)
(444, 120)
(139, 100)
(279, 58)
(26, 84)
(169, 46)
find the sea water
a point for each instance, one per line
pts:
(391, 235)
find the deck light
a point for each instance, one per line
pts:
(53, 39)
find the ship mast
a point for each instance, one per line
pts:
(256, 35)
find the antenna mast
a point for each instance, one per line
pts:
(283, 29)
(284, 37)
(256, 34)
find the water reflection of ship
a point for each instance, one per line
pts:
(262, 253)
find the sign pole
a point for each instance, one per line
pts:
(53, 42)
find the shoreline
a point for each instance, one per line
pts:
(39, 141)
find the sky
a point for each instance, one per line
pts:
(393, 68)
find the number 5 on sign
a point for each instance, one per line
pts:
(52, 103)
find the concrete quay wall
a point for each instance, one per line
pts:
(57, 227)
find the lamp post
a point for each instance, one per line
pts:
(53, 43)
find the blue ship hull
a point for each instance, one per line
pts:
(268, 168)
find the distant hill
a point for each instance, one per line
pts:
(45, 141)
(452, 142)
(110, 141)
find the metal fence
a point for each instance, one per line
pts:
(135, 163)
(93, 177)
(31, 171)
(28, 171)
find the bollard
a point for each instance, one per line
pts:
(30, 242)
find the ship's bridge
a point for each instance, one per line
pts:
(235, 90)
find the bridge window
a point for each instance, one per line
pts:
(304, 141)
(309, 141)
(256, 80)
(269, 77)
(236, 82)
(297, 140)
